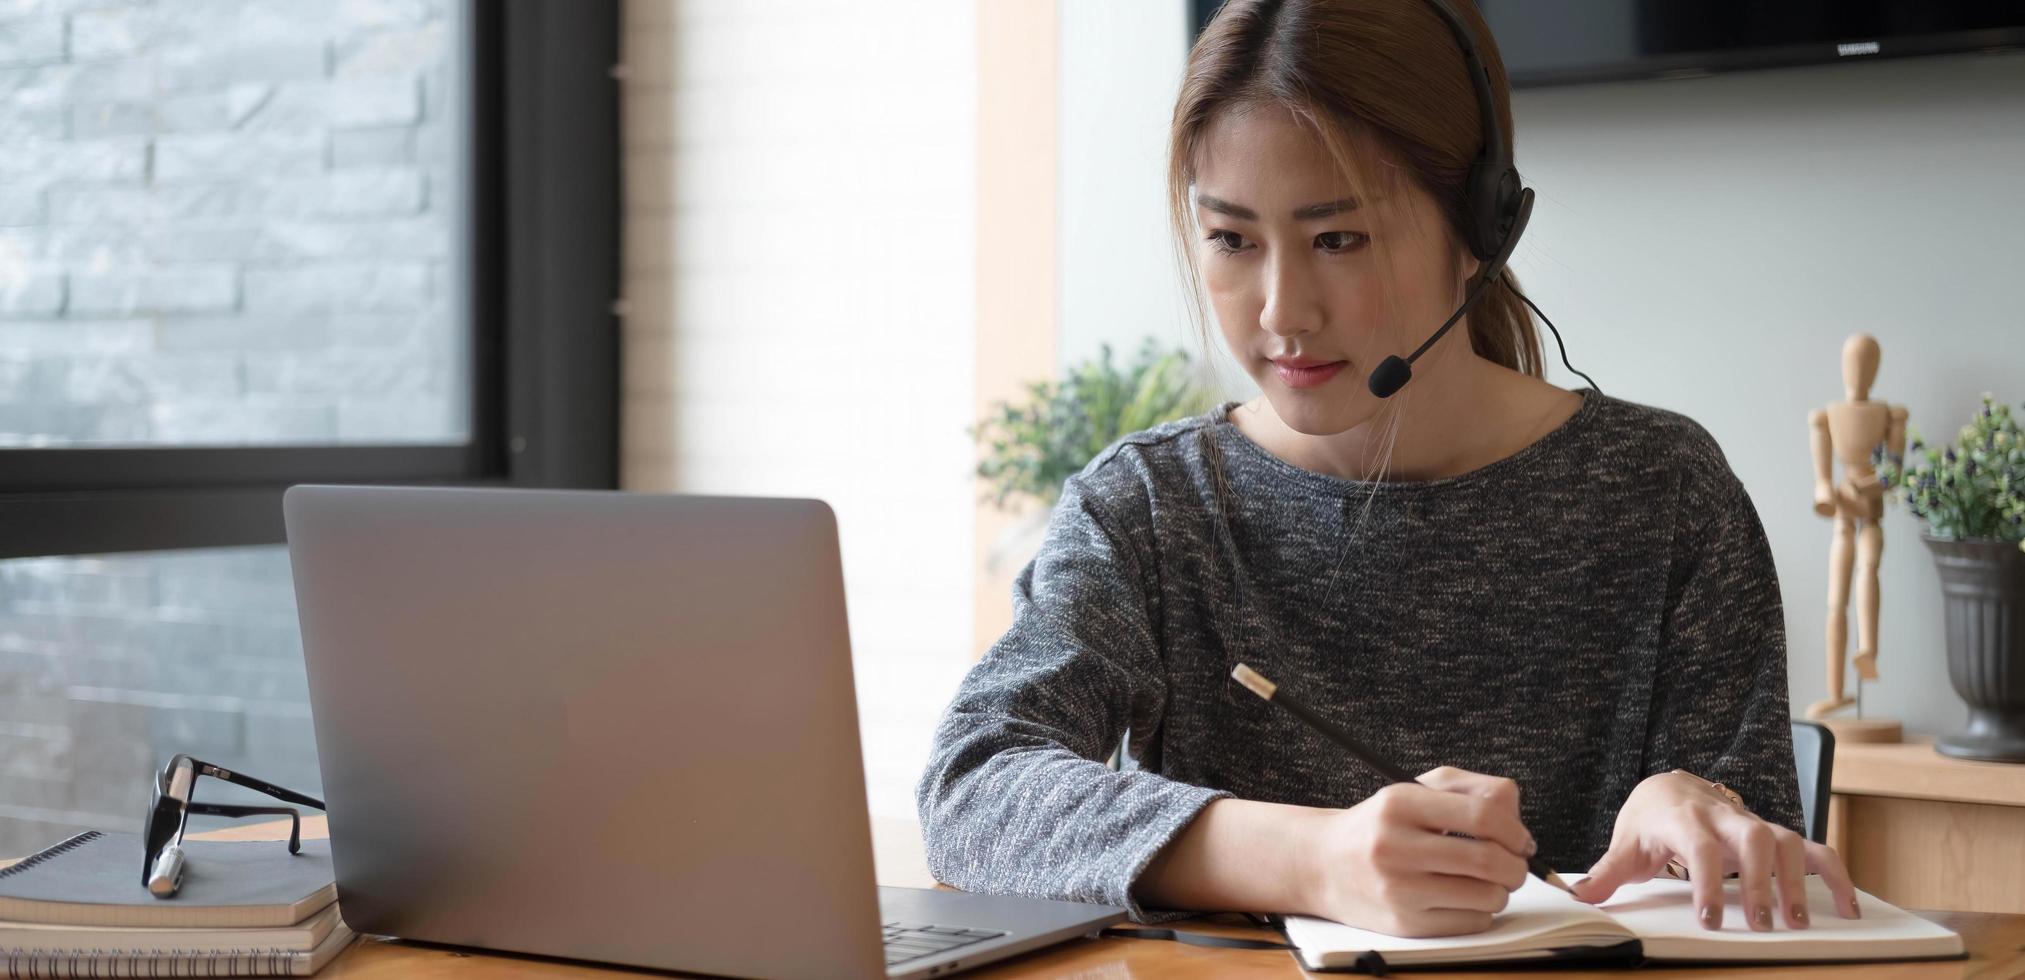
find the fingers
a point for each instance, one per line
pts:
(1488, 818)
(1483, 860)
(1497, 789)
(1501, 793)
(1822, 860)
(1772, 863)
(1430, 923)
(1705, 873)
(1436, 892)
(1792, 862)
(1411, 875)
(1624, 863)
(1757, 856)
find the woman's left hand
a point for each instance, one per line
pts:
(1673, 816)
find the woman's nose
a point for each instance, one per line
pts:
(1292, 303)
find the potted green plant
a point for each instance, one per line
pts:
(1028, 449)
(1971, 497)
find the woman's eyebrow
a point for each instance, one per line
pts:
(1306, 212)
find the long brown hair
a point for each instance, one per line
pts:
(1383, 85)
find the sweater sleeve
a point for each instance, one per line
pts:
(1017, 798)
(1720, 705)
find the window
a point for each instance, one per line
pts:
(109, 664)
(236, 225)
(245, 245)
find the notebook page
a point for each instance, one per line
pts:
(1538, 918)
(1661, 913)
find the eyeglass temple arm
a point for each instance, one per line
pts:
(236, 810)
(241, 779)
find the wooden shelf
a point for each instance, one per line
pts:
(1913, 770)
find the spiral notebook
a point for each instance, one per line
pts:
(1650, 921)
(170, 960)
(246, 908)
(94, 879)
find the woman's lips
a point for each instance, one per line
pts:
(1308, 377)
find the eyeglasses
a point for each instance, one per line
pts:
(162, 865)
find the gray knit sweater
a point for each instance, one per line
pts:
(1595, 608)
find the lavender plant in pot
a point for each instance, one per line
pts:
(1971, 497)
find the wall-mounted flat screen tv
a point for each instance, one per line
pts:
(1565, 42)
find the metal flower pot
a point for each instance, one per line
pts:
(1983, 587)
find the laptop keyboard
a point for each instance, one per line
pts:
(909, 940)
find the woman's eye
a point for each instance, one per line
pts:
(1340, 241)
(1227, 242)
(1231, 243)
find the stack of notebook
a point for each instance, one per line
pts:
(246, 909)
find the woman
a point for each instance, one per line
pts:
(1507, 585)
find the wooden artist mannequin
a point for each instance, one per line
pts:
(1850, 430)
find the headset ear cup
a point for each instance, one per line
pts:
(1508, 195)
(1481, 202)
(1493, 203)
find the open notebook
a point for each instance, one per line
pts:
(1653, 920)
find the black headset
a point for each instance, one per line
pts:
(1495, 210)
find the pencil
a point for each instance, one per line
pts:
(1270, 691)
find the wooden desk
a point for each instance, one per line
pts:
(1920, 829)
(1996, 944)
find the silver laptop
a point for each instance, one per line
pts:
(610, 726)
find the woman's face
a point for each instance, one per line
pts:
(1287, 256)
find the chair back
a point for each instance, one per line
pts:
(1814, 760)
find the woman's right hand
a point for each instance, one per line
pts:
(1391, 865)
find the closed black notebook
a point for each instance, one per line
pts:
(94, 879)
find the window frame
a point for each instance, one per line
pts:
(543, 233)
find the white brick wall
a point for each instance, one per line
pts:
(799, 248)
(186, 163)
